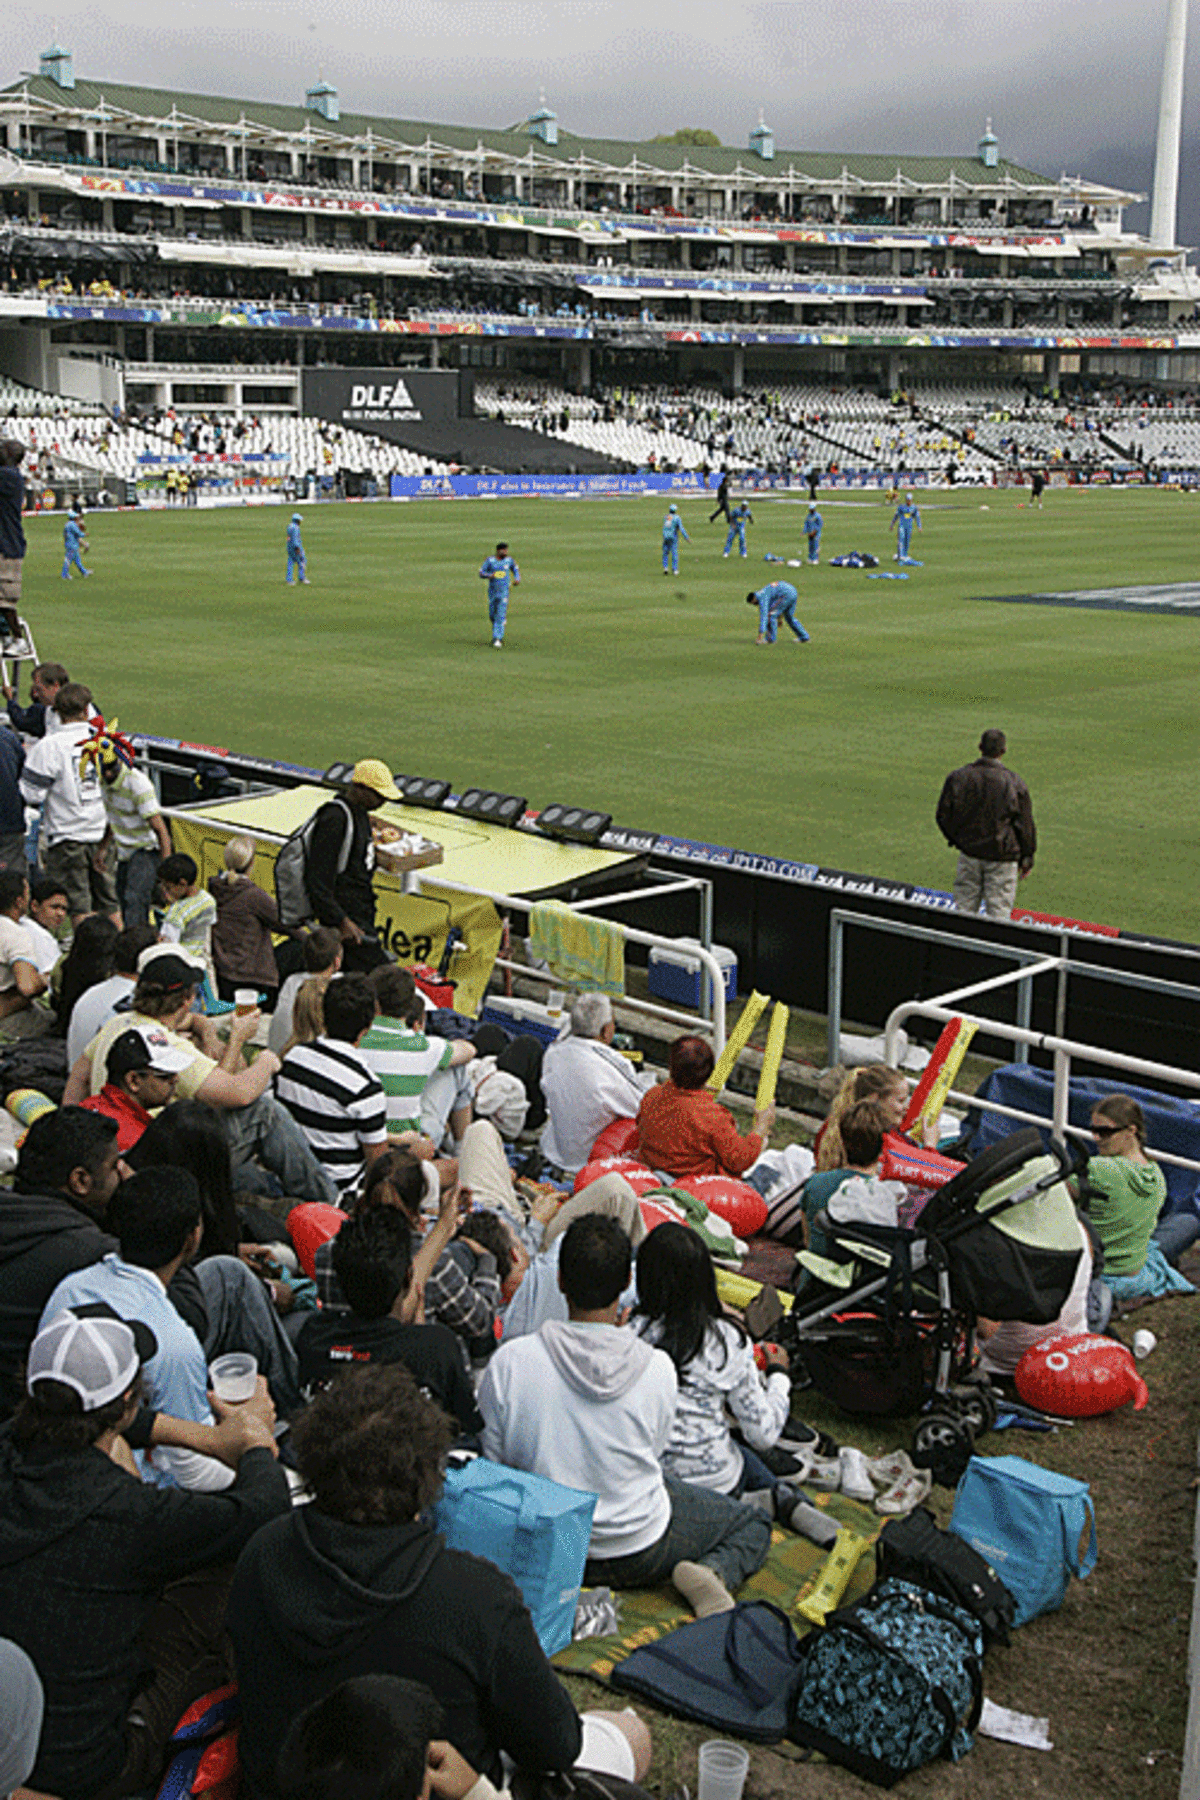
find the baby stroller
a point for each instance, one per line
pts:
(892, 1326)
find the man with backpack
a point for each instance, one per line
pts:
(338, 854)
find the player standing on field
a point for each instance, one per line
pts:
(672, 531)
(499, 571)
(904, 518)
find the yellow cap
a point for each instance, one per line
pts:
(373, 774)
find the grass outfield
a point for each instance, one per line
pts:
(648, 697)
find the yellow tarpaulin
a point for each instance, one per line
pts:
(414, 926)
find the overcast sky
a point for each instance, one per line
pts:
(1069, 84)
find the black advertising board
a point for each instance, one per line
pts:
(388, 403)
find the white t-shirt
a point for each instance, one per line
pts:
(94, 1008)
(72, 804)
(16, 945)
(46, 947)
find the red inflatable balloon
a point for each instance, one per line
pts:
(1079, 1377)
(618, 1139)
(915, 1163)
(311, 1225)
(740, 1205)
(639, 1177)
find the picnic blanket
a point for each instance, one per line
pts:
(790, 1572)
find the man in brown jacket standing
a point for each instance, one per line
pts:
(985, 812)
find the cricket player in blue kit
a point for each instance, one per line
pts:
(672, 531)
(812, 531)
(774, 602)
(295, 552)
(499, 571)
(904, 518)
(72, 545)
(737, 527)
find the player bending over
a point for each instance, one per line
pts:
(774, 602)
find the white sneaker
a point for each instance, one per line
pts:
(856, 1474)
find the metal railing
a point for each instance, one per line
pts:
(712, 977)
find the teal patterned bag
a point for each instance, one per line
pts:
(890, 1683)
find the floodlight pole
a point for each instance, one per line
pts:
(1163, 207)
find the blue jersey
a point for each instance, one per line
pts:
(498, 572)
(72, 534)
(673, 529)
(812, 524)
(293, 538)
(907, 515)
(741, 513)
(774, 599)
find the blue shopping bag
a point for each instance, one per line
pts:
(535, 1530)
(1027, 1522)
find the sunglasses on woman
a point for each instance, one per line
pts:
(1105, 1131)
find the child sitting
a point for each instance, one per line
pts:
(188, 917)
(852, 1193)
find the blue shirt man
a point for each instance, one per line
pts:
(774, 602)
(737, 527)
(812, 531)
(905, 517)
(296, 559)
(72, 545)
(672, 532)
(499, 572)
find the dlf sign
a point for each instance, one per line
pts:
(382, 401)
(395, 396)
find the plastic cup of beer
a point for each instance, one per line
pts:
(245, 1000)
(234, 1377)
(554, 1002)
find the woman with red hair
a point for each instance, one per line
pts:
(682, 1130)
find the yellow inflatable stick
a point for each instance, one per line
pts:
(834, 1578)
(772, 1057)
(738, 1038)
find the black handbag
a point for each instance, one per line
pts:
(916, 1549)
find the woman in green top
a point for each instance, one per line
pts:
(1129, 1192)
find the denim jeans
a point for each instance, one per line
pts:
(266, 1130)
(1175, 1234)
(755, 1474)
(241, 1317)
(136, 877)
(707, 1528)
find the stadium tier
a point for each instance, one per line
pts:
(621, 304)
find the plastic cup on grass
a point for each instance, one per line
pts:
(723, 1767)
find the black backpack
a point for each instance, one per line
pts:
(916, 1549)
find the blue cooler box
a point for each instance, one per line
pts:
(674, 975)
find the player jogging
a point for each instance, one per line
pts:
(774, 602)
(738, 519)
(904, 518)
(296, 558)
(74, 540)
(672, 532)
(812, 531)
(499, 571)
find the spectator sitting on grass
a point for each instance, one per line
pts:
(116, 1589)
(422, 1077)
(587, 1084)
(188, 916)
(591, 1405)
(373, 1261)
(86, 1003)
(322, 961)
(20, 979)
(682, 1130)
(255, 1125)
(47, 921)
(853, 1191)
(361, 1579)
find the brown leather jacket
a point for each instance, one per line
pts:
(985, 811)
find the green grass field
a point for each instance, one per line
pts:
(648, 697)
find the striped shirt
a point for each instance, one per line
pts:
(130, 802)
(337, 1103)
(403, 1060)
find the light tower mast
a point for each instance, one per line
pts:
(1163, 206)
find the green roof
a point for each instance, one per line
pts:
(824, 166)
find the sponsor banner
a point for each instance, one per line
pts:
(472, 487)
(1174, 597)
(381, 401)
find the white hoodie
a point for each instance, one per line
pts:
(591, 1407)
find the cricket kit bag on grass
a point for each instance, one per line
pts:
(890, 1683)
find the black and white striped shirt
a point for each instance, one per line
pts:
(338, 1104)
